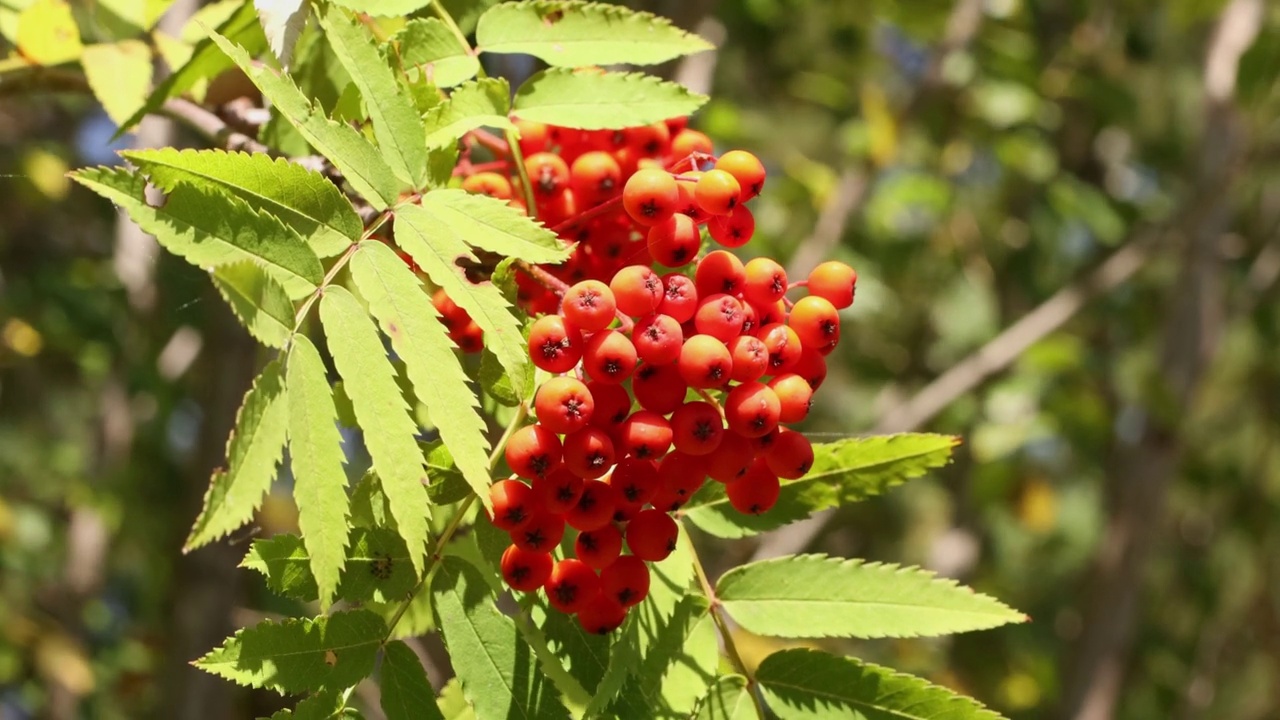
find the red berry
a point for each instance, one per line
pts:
(719, 316)
(613, 405)
(756, 492)
(548, 173)
(680, 297)
(696, 428)
(790, 456)
(794, 397)
(645, 434)
(752, 409)
(674, 242)
(602, 615)
(595, 177)
(783, 345)
(525, 570)
(635, 480)
(735, 229)
(688, 141)
(595, 506)
(716, 192)
(540, 533)
(812, 367)
(834, 281)
(750, 358)
(688, 204)
(651, 535)
(626, 580)
(557, 491)
(513, 504)
(652, 140)
(719, 272)
(731, 459)
(553, 345)
(679, 477)
(572, 585)
(816, 322)
(650, 196)
(637, 290)
(588, 305)
(659, 388)
(600, 547)
(658, 339)
(533, 451)
(589, 452)
(609, 357)
(488, 183)
(705, 362)
(564, 405)
(746, 168)
(765, 281)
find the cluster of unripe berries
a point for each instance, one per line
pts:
(661, 380)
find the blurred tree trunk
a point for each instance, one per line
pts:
(1143, 467)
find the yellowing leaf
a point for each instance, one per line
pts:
(120, 75)
(47, 33)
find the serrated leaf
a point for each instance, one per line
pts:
(205, 61)
(321, 706)
(728, 698)
(396, 124)
(119, 74)
(677, 667)
(316, 457)
(566, 33)
(498, 671)
(407, 317)
(479, 103)
(435, 248)
(254, 451)
(447, 483)
(584, 655)
(493, 225)
(282, 23)
(370, 381)
(593, 100)
(383, 8)
(47, 33)
(429, 45)
(261, 304)
(296, 656)
(406, 692)
(807, 596)
(303, 199)
(814, 685)
(843, 472)
(346, 148)
(377, 567)
(209, 229)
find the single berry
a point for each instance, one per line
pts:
(600, 547)
(533, 451)
(679, 476)
(719, 272)
(731, 459)
(812, 367)
(613, 405)
(553, 345)
(765, 283)
(589, 452)
(783, 345)
(834, 281)
(540, 533)
(679, 298)
(696, 428)
(659, 388)
(572, 585)
(746, 168)
(790, 456)
(756, 492)
(752, 409)
(595, 177)
(645, 434)
(674, 242)
(635, 480)
(637, 290)
(733, 230)
(719, 316)
(564, 405)
(795, 397)
(750, 358)
(602, 615)
(652, 535)
(716, 192)
(488, 183)
(650, 196)
(609, 357)
(525, 570)
(588, 305)
(558, 491)
(816, 322)
(626, 580)
(704, 362)
(658, 339)
(595, 506)
(513, 504)
(548, 173)
(688, 141)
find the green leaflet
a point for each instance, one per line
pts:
(427, 43)
(295, 656)
(209, 229)
(370, 381)
(498, 671)
(407, 317)
(479, 103)
(434, 247)
(383, 8)
(843, 472)
(820, 596)
(585, 656)
(119, 74)
(315, 455)
(452, 704)
(261, 304)
(814, 685)
(205, 63)
(576, 34)
(396, 124)
(677, 668)
(326, 705)
(377, 567)
(346, 148)
(303, 199)
(728, 698)
(591, 100)
(493, 225)
(406, 692)
(447, 482)
(254, 451)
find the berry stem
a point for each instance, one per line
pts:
(725, 635)
(341, 262)
(705, 395)
(797, 284)
(471, 169)
(690, 161)
(560, 287)
(493, 143)
(603, 208)
(522, 173)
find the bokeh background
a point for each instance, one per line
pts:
(1065, 215)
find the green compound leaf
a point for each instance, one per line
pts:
(303, 199)
(493, 225)
(254, 451)
(406, 692)
(429, 45)
(676, 670)
(434, 246)
(819, 596)
(814, 685)
(370, 381)
(315, 456)
(396, 124)
(479, 103)
(345, 147)
(592, 100)
(208, 229)
(575, 34)
(407, 317)
(843, 472)
(498, 671)
(728, 698)
(205, 63)
(377, 567)
(296, 656)
(261, 304)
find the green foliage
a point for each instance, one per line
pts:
(315, 456)
(254, 451)
(575, 34)
(383, 8)
(675, 669)
(819, 596)
(843, 472)
(369, 380)
(493, 225)
(428, 45)
(294, 656)
(728, 698)
(496, 668)
(479, 103)
(406, 692)
(811, 684)
(119, 74)
(591, 100)
(321, 706)
(261, 304)
(209, 229)
(377, 567)
(303, 199)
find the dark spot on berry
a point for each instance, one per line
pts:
(573, 408)
(612, 367)
(589, 541)
(777, 286)
(704, 430)
(596, 460)
(671, 545)
(649, 208)
(540, 465)
(515, 515)
(759, 421)
(535, 538)
(566, 593)
(828, 328)
(642, 452)
(625, 595)
(716, 372)
(519, 573)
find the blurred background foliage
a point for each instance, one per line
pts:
(1066, 219)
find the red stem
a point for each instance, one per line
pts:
(602, 209)
(494, 143)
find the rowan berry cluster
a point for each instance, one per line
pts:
(661, 380)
